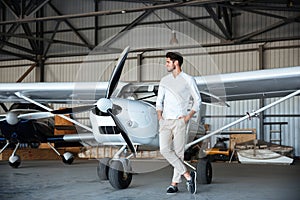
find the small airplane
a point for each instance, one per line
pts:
(119, 118)
(28, 124)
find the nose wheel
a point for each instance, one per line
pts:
(14, 161)
(68, 158)
(117, 171)
(118, 175)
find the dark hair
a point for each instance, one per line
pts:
(175, 56)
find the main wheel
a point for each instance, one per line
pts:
(118, 177)
(103, 168)
(204, 171)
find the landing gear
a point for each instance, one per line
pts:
(117, 170)
(118, 175)
(102, 169)
(204, 171)
(67, 157)
(14, 161)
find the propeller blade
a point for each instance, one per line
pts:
(2, 118)
(77, 109)
(2, 115)
(35, 115)
(123, 132)
(115, 77)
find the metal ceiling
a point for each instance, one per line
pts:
(28, 12)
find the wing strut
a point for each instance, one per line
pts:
(49, 109)
(242, 119)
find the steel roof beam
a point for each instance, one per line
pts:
(247, 9)
(45, 39)
(187, 47)
(29, 33)
(273, 8)
(267, 28)
(52, 37)
(130, 26)
(214, 16)
(18, 12)
(15, 46)
(23, 56)
(228, 20)
(36, 8)
(3, 17)
(10, 9)
(112, 12)
(7, 35)
(199, 25)
(71, 26)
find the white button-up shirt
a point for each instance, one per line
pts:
(174, 95)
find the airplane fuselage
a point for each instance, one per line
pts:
(139, 118)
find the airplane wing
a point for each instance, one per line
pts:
(253, 84)
(58, 92)
(231, 86)
(227, 87)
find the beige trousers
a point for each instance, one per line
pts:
(172, 142)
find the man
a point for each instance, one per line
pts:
(175, 90)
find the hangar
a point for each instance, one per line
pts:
(77, 41)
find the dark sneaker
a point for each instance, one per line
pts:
(191, 184)
(172, 189)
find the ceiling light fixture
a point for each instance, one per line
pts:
(173, 40)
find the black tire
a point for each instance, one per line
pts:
(67, 158)
(68, 162)
(204, 171)
(103, 168)
(118, 178)
(16, 163)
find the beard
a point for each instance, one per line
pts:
(171, 69)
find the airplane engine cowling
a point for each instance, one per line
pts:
(138, 118)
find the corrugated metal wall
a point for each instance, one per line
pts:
(224, 59)
(11, 75)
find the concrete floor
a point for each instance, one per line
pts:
(54, 180)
